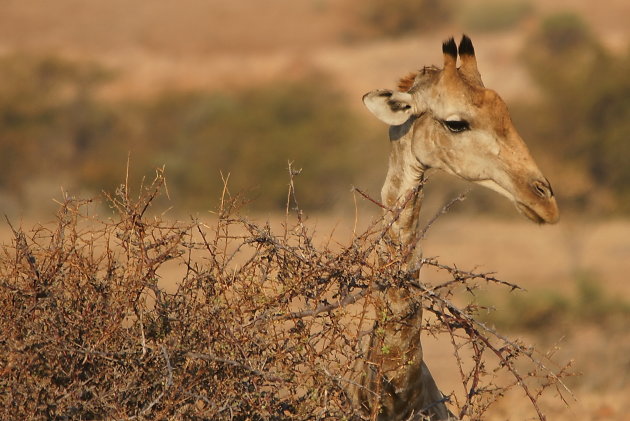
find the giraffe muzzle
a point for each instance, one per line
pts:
(543, 209)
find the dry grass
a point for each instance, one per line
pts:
(260, 325)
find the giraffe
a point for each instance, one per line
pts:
(444, 119)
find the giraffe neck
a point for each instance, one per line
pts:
(403, 186)
(401, 313)
(395, 348)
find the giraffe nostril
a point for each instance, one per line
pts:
(542, 189)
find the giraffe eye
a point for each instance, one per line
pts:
(456, 126)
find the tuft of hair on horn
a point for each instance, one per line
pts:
(468, 69)
(466, 46)
(449, 48)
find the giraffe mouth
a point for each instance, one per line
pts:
(541, 214)
(530, 213)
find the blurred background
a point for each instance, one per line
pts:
(216, 89)
(206, 87)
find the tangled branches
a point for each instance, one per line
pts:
(136, 317)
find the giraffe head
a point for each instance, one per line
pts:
(445, 118)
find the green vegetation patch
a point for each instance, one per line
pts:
(400, 17)
(544, 309)
(494, 15)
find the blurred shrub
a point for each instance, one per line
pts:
(590, 303)
(252, 135)
(534, 310)
(595, 304)
(48, 118)
(400, 17)
(584, 114)
(55, 127)
(494, 15)
(563, 32)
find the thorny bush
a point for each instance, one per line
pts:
(259, 326)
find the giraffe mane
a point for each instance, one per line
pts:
(406, 82)
(414, 80)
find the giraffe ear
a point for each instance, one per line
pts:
(393, 108)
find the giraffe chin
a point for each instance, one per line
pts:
(534, 216)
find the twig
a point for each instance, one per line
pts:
(168, 383)
(236, 364)
(444, 210)
(365, 196)
(321, 308)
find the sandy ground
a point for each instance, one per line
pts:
(548, 258)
